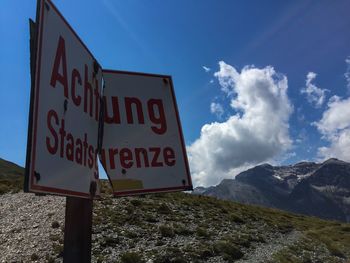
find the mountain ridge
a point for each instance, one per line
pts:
(315, 189)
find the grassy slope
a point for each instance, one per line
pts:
(11, 177)
(181, 227)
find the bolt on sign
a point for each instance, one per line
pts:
(65, 107)
(143, 149)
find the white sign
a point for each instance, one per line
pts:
(143, 149)
(65, 111)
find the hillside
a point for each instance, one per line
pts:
(11, 177)
(315, 189)
(176, 227)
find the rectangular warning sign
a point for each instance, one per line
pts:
(65, 106)
(143, 149)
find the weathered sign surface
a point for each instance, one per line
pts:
(143, 150)
(65, 111)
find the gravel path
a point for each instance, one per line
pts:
(27, 225)
(264, 251)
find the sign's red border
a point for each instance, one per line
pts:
(31, 144)
(186, 187)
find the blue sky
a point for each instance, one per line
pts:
(265, 42)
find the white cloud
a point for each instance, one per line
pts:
(336, 117)
(258, 133)
(347, 73)
(335, 128)
(227, 77)
(314, 95)
(206, 69)
(339, 147)
(217, 109)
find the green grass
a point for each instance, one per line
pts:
(11, 177)
(166, 231)
(202, 232)
(9, 169)
(131, 257)
(228, 250)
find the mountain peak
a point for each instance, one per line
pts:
(266, 165)
(334, 161)
(227, 180)
(304, 163)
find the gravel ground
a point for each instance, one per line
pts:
(264, 251)
(26, 224)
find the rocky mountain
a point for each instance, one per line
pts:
(165, 228)
(316, 189)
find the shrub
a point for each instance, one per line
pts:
(131, 257)
(151, 218)
(166, 231)
(49, 259)
(164, 209)
(285, 228)
(130, 234)
(173, 255)
(180, 229)
(136, 202)
(110, 241)
(130, 209)
(58, 249)
(55, 224)
(237, 219)
(202, 232)
(34, 257)
(227, 250)
(55, 237)
(11, 185)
